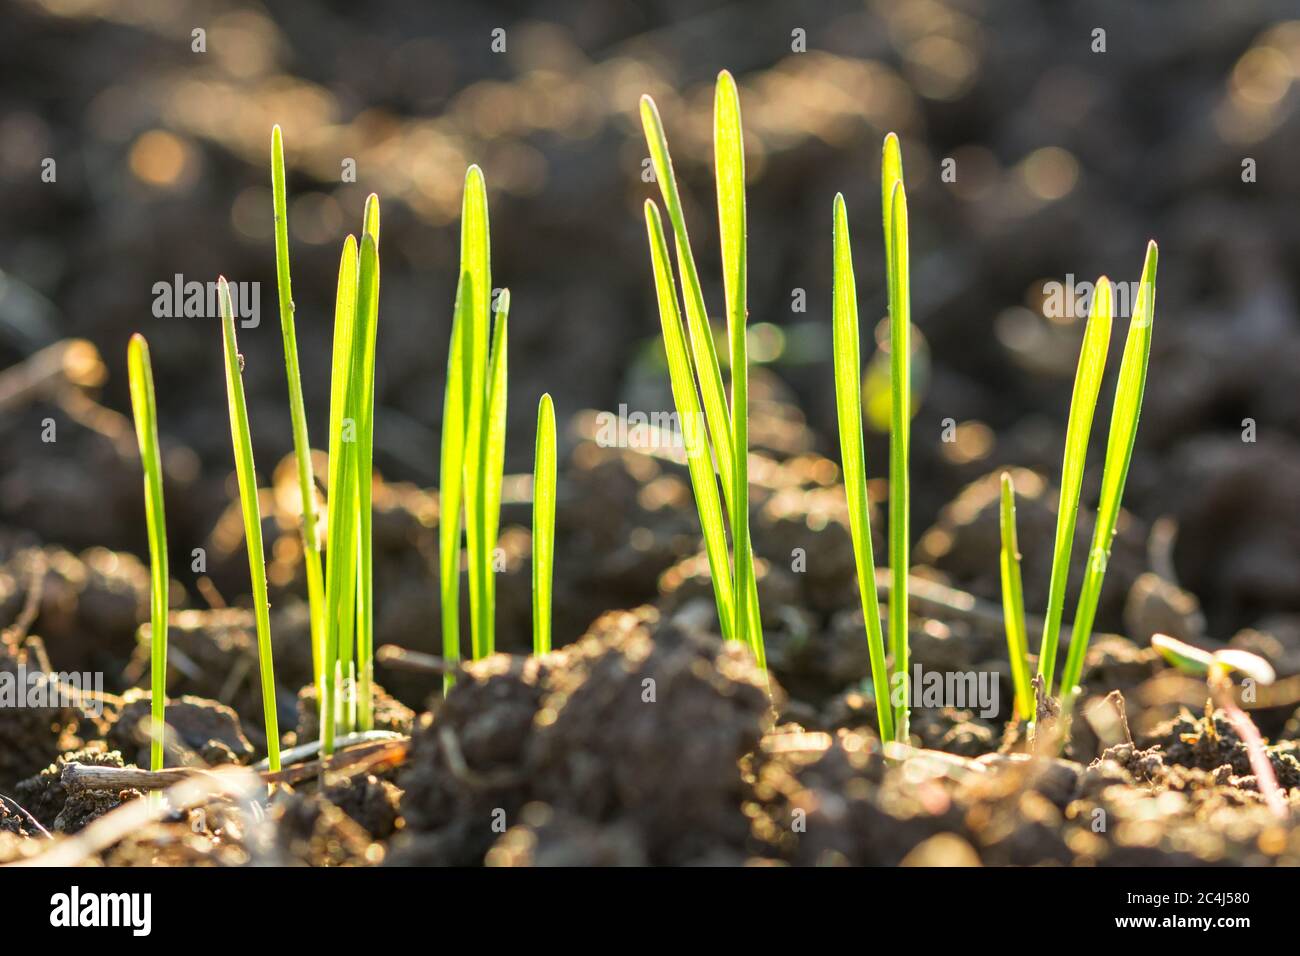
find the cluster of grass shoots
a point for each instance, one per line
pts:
(473, 434)
(891, 688)
(711, 430)
(1125, 411)
(341, 597)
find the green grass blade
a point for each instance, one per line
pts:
(1013, 603)
(1083, 401)
(1124, 415)
(241, 438)
(543, 524)
(848, 400)
(451, 478)
(474, 259)
(698, 460)
(729, 158)
(145, 411)
(367, 330)
(703, 352)
(900, 389)
(340, 570)
(298, 415)
(494, 457)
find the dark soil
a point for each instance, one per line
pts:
(643, 739)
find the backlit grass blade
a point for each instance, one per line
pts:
(494, 457)
(543, 524)
(848, 400)
(1013, 604)
(900, 389)
(367, 299)
(298, 415)
(704, 354)
(451, 480)
(341, 550)
(1087, 382)
(474, 259)
(729, 159)
(144, 409)
(1119, 453)
(698, 460)
(243, 445)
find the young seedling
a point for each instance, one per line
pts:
(301, 442)
(241, 439)
(1125, 410)
(699, 462)
(361, 714)
(543, 524)
(725, 430)
(483, 375)
(1217, 669)
(848, 399)
(1013, 604)
(450, 483)
(145, 411)
(340, 571)
(894, 206)
(1087, 382)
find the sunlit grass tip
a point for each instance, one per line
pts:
(544, 467)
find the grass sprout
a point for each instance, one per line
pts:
(361, 714)
(1013, 603)
(543, 524)
(241, 439)
(483, 377)
(1125, 411)
(1083, 402)
(451, 478)
(729, 153)
(894, 212)
(340, 571)
(848, 399)
(301, 443)
(699, 461)
(1217, 669)
(145, 411)
(702, 368)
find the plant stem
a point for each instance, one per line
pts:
(145, 412)
(241, 439)
(301, 443)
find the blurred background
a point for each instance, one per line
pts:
(1067, 159)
